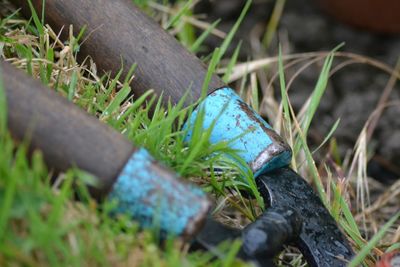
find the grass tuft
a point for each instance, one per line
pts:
(43, 224)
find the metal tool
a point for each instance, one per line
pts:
(144, 189)
(319, 239)
(68, 137)
(119, 31)
(294, 215)
(121, 35)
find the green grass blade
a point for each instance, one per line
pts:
(357, 239)
(187, 34)
(273, 23)
(328, 136)
(9, 194)
(232, 32)
(194, 48)
(117, 101)
(130, 73)
(233, 251)
(219, 52)
(311, 165)
(350, 221)
(232, 63)
(395, 246)
(110, 88)
(366, 250)
(3, 106)
(75, 42)
(135, 105)
(282, 81)
(179, 15)
(49, 67)
(72, 86)
(26, 53)
(210, 71)
(319, 90)
(36, 20)
(317, 93)
(43, 9)
(4, 21)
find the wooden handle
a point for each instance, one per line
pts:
(65, 134)
(119, 30)
(120, 33)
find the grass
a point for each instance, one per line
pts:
(43, 225)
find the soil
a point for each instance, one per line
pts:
(353, 92)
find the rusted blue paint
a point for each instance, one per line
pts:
(259, 145)
(157, 198)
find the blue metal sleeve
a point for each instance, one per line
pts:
(258, 144)
(157, 198)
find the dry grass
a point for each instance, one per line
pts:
(372, 204)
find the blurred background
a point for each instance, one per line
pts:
(369, 32)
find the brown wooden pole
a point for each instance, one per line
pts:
(65, 134)
(118, 30)
(68, 137)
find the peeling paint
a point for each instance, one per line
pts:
(156, 197)
(258, 144)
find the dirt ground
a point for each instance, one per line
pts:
(353, 92)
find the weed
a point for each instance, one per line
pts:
(44, 225)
